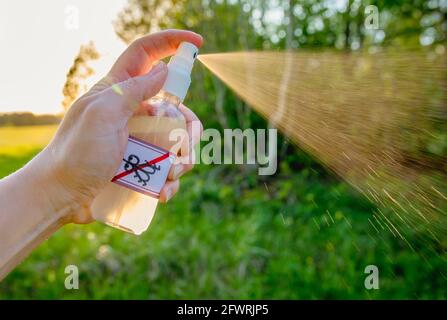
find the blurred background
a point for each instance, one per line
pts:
(302, 233)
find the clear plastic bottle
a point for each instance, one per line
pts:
(124, 208)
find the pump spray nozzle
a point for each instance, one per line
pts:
(179, 70)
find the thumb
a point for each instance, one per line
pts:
(130, 93)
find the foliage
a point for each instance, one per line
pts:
(79, 71)
(27, 119)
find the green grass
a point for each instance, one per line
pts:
(22, 140)
(229, 234)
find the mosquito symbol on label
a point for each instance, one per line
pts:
(143, 174)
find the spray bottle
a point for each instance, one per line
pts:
(127, 209)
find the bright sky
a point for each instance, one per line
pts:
(39, 40)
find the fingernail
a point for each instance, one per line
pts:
(198, 34)
(168, 194)
(177, 171)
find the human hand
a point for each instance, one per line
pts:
(90, 142)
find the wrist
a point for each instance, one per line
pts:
(42, 188)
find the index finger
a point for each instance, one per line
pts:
(138, 58)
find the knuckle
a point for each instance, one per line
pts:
(136, 43)
(130, 84)
(131, 90)
(94, 111)
(76, 109)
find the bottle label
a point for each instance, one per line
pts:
(144, 168)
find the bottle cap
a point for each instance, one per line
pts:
(179, 70)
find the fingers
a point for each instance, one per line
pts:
(83, 216)
(126, 96)
(178, 170)
(185, 161)
(138, 58)
(194, 129)
(169, 190)
(193, 124)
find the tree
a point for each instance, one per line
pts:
(79, 71)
